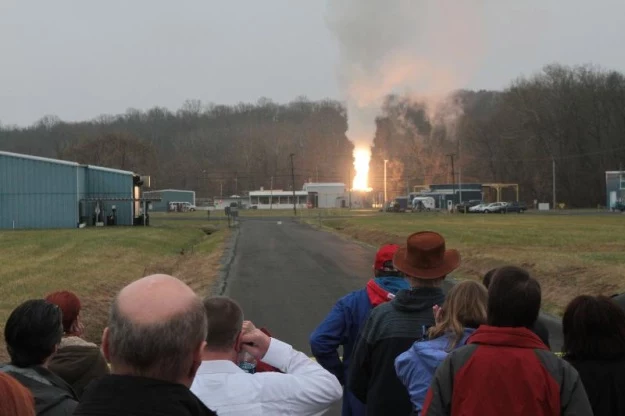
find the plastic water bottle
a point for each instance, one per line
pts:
(247, 362)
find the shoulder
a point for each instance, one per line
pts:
(352, 297)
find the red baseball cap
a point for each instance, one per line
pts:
(384, 257)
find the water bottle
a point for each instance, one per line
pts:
(247, 362)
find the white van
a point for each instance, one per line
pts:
(427, 203)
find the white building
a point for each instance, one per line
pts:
(326, 195)
(314, 195)
(277, 199)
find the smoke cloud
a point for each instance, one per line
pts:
(419, 48)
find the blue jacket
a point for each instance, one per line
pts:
(416, 367)
(341, 328)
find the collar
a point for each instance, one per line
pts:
(219, 366)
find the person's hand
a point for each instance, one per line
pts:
(256, 343)
(438, 313)
(248, 326)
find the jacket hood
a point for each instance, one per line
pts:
(72, 361)
(383, 289)
(76, 342)
(139, 396)
(419, 299)
(47, 389)
(517, 337)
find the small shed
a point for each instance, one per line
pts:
(614, 187)
(168, 196)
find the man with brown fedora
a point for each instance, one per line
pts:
(394, 326)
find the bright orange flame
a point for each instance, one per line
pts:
(362, 156)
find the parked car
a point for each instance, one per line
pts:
(479, 208)
(619, 206)
(465, 206)
(495, 207)
(519, 207)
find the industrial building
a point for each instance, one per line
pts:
(446, 194)
(168, 196)
(313, 195)
(277, 199)
(37, 192)
(326, 195)
(614, 187)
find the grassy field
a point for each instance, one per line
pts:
(569, 254)
(96, 263)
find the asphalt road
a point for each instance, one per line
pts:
(287, 276)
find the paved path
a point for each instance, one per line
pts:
(287, 276)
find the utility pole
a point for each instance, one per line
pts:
(385, 197)
(553, 180)
(271, 197)
(293, 184)
(453, 179)
(236, 183)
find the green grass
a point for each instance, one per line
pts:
(569, 254)
(97, 262)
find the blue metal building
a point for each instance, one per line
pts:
(169, 195)
(614, 187)
(37, 192)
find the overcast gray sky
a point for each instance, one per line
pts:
(79, 59)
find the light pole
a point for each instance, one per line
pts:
(384, 205)
(293, 184)
(553, 180)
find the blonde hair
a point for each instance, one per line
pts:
(465, 306)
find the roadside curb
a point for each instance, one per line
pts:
(220, 286)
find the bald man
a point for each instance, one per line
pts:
(154, 342)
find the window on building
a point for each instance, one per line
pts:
(276, 200)
(622, 180)
(264, 200)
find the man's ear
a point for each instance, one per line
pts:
(237, 343)
(197, 361)
(105, 345)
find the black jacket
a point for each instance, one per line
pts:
(390, 330)
(116, 395)
(53, 396)
(604, 382)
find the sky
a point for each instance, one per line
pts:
(81, 59)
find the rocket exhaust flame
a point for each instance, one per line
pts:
(362, 156)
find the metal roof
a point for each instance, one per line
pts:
(120, 199)
(64, 162)
(38, 158)
(123, 172)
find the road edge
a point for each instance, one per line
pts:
(221, 285)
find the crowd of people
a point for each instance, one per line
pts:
(400, 346)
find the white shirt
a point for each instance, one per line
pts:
(305, 389)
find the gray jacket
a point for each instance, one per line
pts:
(53, 396)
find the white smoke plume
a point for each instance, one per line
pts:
(421, 48)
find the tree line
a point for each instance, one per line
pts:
(570, 117)
(573, 117)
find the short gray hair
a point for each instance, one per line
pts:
(225, 321)
(162, 350)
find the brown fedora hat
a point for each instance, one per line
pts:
(425, 256)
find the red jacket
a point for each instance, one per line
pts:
(505, 371)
